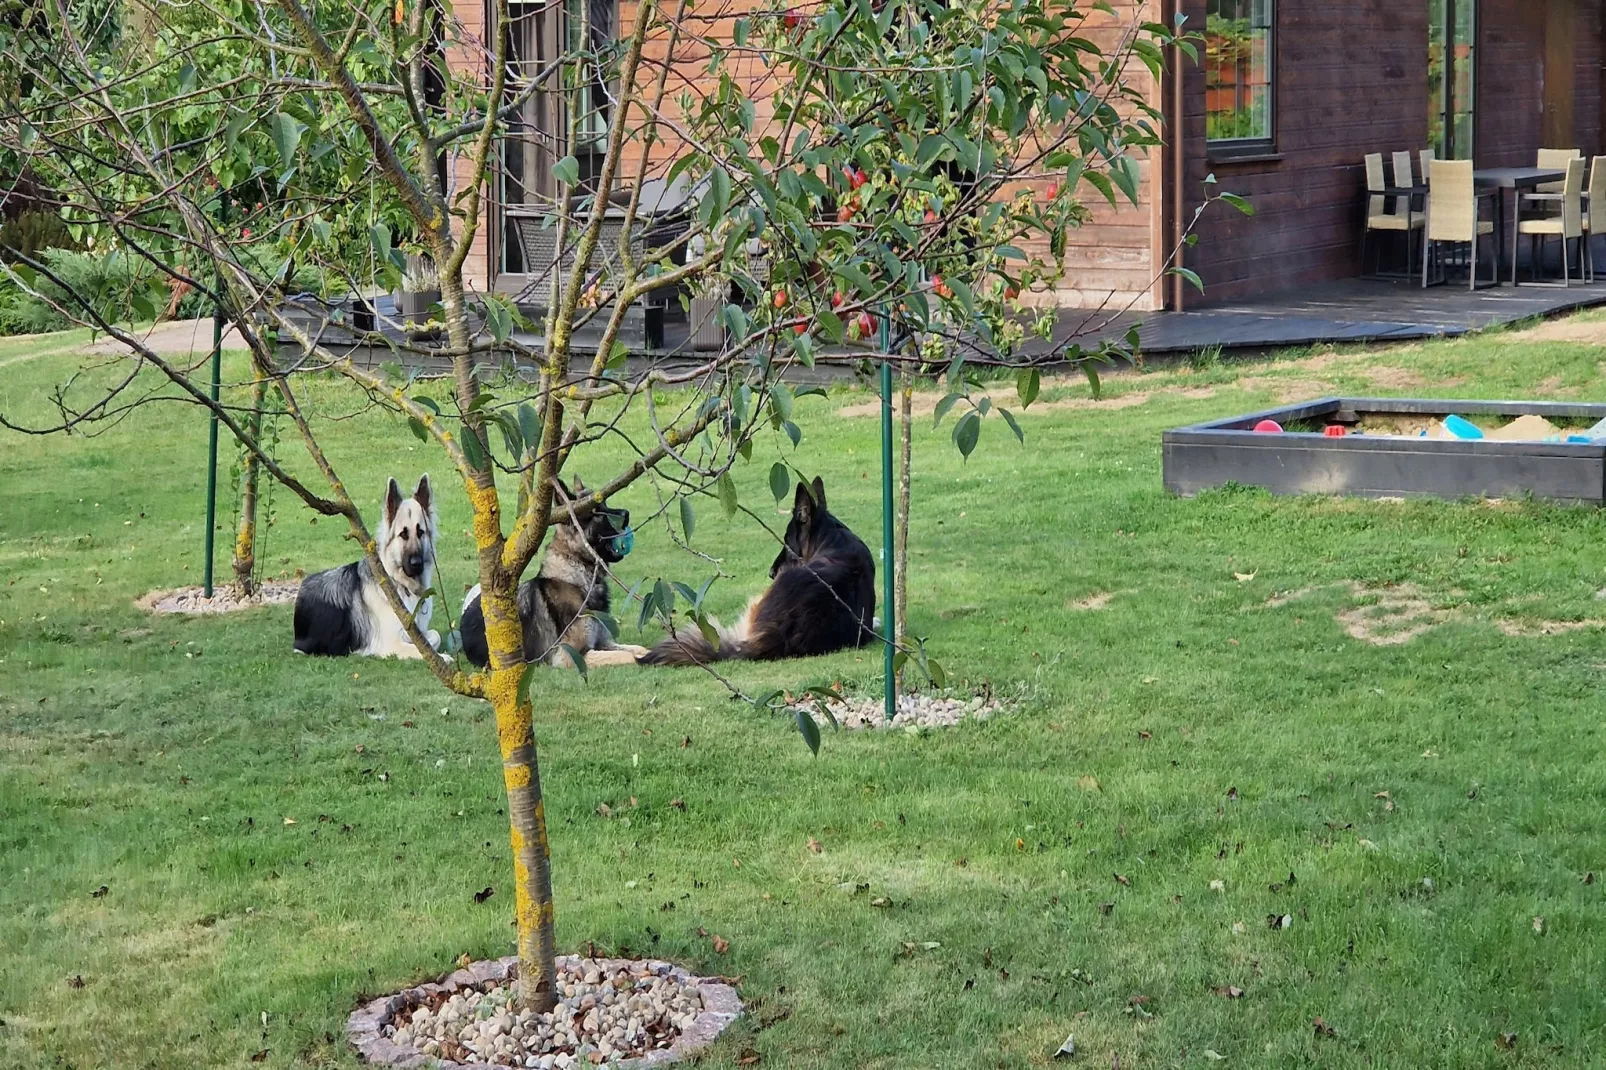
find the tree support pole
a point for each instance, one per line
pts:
(888, 554)
(211, 449)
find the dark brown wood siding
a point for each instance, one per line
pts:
(1352, 79)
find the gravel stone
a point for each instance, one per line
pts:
(225, 598)
(915, 711)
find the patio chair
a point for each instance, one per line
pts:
(1556, 160)
(1383, 216)
(1453, 203)
(1567, 225)
(1402, 173)
(1427, 156)
(1594, 211)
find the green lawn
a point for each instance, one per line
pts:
(1229, 735)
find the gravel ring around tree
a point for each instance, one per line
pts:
(914, 712)
(372, 1026)
(225, 598)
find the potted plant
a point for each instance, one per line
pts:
(420, 292)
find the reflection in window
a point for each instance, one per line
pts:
(1239, 60)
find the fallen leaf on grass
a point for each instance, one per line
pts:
(1279, 921)
(480, 897)
(1088, 782)
(463, 959)
(815, 845)
(359, 748)
(1218, 886)
(1507, 1041)
(1228, 991)
(1213, 1055)
(1145, 736)
(1323, 1029)
(702, 931)
(604, 810)
(1589, 878)
(1232, 794)
(721, 945)
(881, 901)
(289, 821)
(1020, 844)
(678, 804)
(1239, 928)
(99, 893)
(1367, 844)
(1539, 923)
(1245, 577)
(1067, 1049)
(1105, 908)
(260, 1056)
(685, 741)
(1122, 881)
(748, 1057)
(75, 981)
(1430, 753)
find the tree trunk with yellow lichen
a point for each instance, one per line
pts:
(521, 775)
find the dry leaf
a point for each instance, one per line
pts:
(1245, 577)
(701, 931)
(1228, 991)
(1539, 923)
(1238, 928)
(480, 897)
(99, 893)
(1145, 736)
(463, 959)
(604, 809)
(1232, 794)
(748, 1057)
(1380, 795)
(815, 846)
(359, 748)
(1323, 1029)
(261, 1056)
(1105, 908)
(75, 981)
(685, 741)
(678, 804)
(1067, 1049)
(1367, 844)
(1279, 921)
(1122, 881)
(1020, 844)
(881, 901)
(1088, 782)
(721, 945)
(289, 821)
(1430, 753)
(737, 862)
(1506, 1040)
(1589, 878)
(1213, 1055)
(1218, 886)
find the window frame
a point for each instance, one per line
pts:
(1246, 148)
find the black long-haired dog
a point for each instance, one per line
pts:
(822, 597)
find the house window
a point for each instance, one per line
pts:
(539, 34)
(1240, 64)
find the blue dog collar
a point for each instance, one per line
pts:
(624, 542)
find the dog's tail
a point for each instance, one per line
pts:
(690, 647)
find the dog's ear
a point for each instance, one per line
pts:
(819, 494)
(579, 489)
(393, 501)
(803, 505)
(424, 496)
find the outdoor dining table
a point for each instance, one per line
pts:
(1516, 179)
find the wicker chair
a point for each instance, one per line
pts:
(1386, 217)
(1594, 211)
(1555, 159)
(1453, 216)
(1567, 225)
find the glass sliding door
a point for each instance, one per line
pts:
(1452, 68)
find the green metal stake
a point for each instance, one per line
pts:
(888, 603)
(211, 449)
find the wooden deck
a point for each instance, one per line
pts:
(1352, 310)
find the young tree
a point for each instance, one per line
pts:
(885, 159)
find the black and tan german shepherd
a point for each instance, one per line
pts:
(572, 583)
(822, 597)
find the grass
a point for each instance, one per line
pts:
(1197, 728)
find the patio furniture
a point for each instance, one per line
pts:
(1556, 160)
(1427, 156)
(1567, 225)
(1453, 217)
(1402, 175)
(1517, 179)
(1594, 211)
(1382, 212)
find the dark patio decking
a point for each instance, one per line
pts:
(1351, 310)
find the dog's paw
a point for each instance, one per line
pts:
(633, 651)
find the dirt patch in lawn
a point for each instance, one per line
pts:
(1527, 629)
(1573, 329)
(1284, 390)
(1392, 615)
(1092, 602)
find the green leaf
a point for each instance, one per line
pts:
(1191, 276)
(648, 601)
(1027, 384)
(498, 319)
(719, 188)
(1009, 418)
(810, 730)
(578, 659)
(780, 481)
(286, 131)
(688, 518)
(525, 681)
(939, 677)
(567, 170)
(618, 353)
(947, 402)
(379, 238)
(726, 488)
(473, 448)
(966, 431)
(529, 423)
(418, 428)
(1237, 202)
(664, 596)
(1092, 374)
(609, 625)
